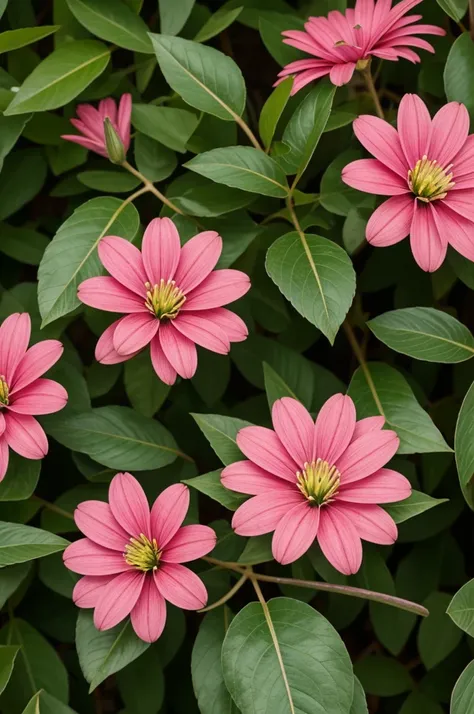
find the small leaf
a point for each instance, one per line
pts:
(21, 478)
(10, 130)
(206, 667)
(273, 109)
(275, 386)
(464, 446)
(19, 543)
(336, 196)
(14, 39)
(271, 25)
(412, 506)
(108, 181)
(456, 9)
(23, 244)
(461, 608)
(458, 69)
(463, 693)
(113, 21)
(438, 636)
(8, 655)
(11, 578)
(172, 127)
(145, 391)
(258, 550)
(23, 175)
(153, 160)
(221, 432)
(173, 15)
(217, 23)
(383, 676)
(210, 484)
(44, 703)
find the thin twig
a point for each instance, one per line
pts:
(149, 186)
(53, 508)
(361, 359)
(242, 580)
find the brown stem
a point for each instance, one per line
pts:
(152, 188)
(367, 74)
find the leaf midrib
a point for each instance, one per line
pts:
(428, 334)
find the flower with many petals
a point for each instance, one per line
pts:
(23, 393)
(90, 124)
(131, 557)
(173, 298)
(320, 480)
(341, 43)
(427, 167)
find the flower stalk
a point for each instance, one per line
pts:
(369, 81)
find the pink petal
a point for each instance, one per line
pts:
(161, 249)
(87, 558)
(4, 458)
(371, 522)
(371, 176)
(459, 230)
(311, 75)
(180, 352)
(414, 128)
(461, 202)
(204, 332)
(134, 332)
(89, 144)
(384, 486)
(123, 119)
(219, 288)
(108, 108)
(382, 141)
(261, 514)
(264, 448)
(105, 352)
(464, 160)
(43, 396)
(247, 477)
(295, 429)
(106, 293)
(391, 222)
(427, 244)
(37, 360)
(339, 541)
(124, 262)
(364, 426)
(449, 132)
(295, 533)
(117, 599)
(149, 614)
(25, 436)
(180, 586)
(15, 334)
(334, 428)
(198, 257)
(87, 590)
(96, 521)
(189, 543)
(342, 73)
(367, 455)
(3, 423)
(233, 325)
(129, 505)
(160, 362)
(168, 513)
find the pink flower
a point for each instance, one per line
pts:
(318, 480)
(131, 557)
(22, 392)
(427, 167)
(91, 124)
(342, 43)
(172, 296)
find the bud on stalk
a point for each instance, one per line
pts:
(113, 143)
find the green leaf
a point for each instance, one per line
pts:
(13, 39)
(11, 578)
(113, 21)
(438, 636)
(316, 276)
(461, 608)
(44, 703)
(10, 130)
(21, 478)
(424, 333)
(104, 653)
(172, 127)
(359, 703)
(417, 703)
(173, 15)
(202, 76)
(60, 77)
(108, 181)
(19, 543)
(336, 197)
(258, 550)
(221, 432)
(217, 23)
(464, 446)
(53, 573)
(242, 167)
(56, 522)
(8, 655)
(271, 25)
(456, 9)
(145, 390)
(206, 668)
(72, 256)
(275, 386)
(198, 196)
(273, 109)
(23, 175)
(353, 231)
(210, 484)
(153, 160)
(459, 68)
(463, 693)
(383, 676)
(118, 437)
(23, 244)
(299, 665)
(381, 390)
(412, 506)
(152, 689)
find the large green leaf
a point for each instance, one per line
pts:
(61, 77)
(118, 437)
(44, 703)
(438, 636)
(23, 244)
(172, 127)
(72, 255)
(198, 196)
(273, 109)
(456, 9)
(316, 276)
(412, 506)
(461, 608)
(153, 160)
(202, 76)
(218, 22)
(424, 333)
(296, 662)
(152, 689)
(458, 70)
(8, 655)
(206, 667)
(464, 446)
(114, 21)
(221, 432)
(359, 703)
(211, 485)
(21, 478)
(242, 167)
(463, 693)
(14, 39)
(173, 15)
(271, 25)
(23, 175)
(381, 390)
(19, 543)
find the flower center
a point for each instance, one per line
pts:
(164, 300)
(429, 181)
(319, 482)
(4, 392)
(142, 553)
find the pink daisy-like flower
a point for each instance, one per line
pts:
(342, 43)
(131, 557)
(319, 481)
(427, 167)
(22, 392)
(172, 296)
(91, 124)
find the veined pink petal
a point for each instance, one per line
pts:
(160, 362)
(15, 334)
(197, 328)
(161, 249)
(459, 230)
(108, 108)
(87, 558)
(198, 257)
(449, 132)
(4, 457)
(341, 74)
(134, 332)
(233, 325)
(87, 590)
(261, 514)
(106, 293)
(219, 288)
(464, 160)
(461, 202)
(43, 396)
(168, 513)
(334, 428)
(149, 614)
(310, 75)
(180, 352)
(189, 543)
(295, 429)
(264, 448)
(371, 522)
(129, 505)
(384, 486)
(180, 586)
(295, 533)
(124, 262)
(89, 144)
(364, 426)
(117, 599)
(391, 222)
(371, 176)
(428, 245)
(339, 540)
(37, 360)
(247, 477)
(123, 119)
(96, 521)
(367, 455)
(414, 128)
(382, 141)
(3, 424)
(105, 352)
(25, 436)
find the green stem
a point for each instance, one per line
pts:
(149, 186)
(367, 74)
(53, 508)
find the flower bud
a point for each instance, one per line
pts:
(113, 143)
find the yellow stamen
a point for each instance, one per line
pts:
(164, 300)
(142, 553)
(429, 181)
(4, 391)
(319, 482)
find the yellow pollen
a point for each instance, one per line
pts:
(142, 553)
(429, 181)
(4, 391)
(164, 300)
(319, 482)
